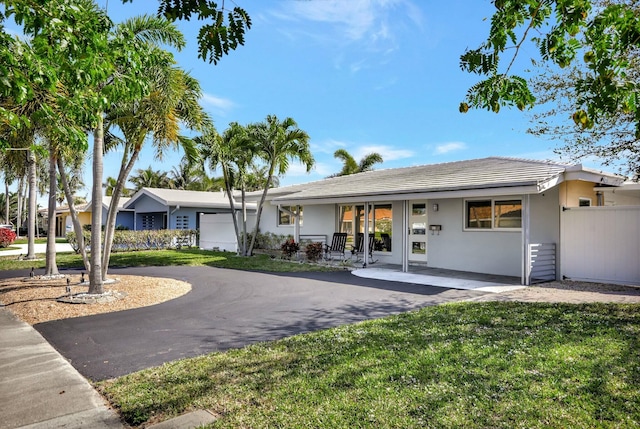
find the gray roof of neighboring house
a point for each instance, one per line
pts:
(106, 201)
(476, 174)
(178, 197)
(82, 207)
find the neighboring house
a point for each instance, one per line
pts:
(64, 223)
(208, 212)
(124, 218)
(494, 215)
(626, 195)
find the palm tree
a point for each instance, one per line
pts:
(172, 101)
(21, 161)
(350, 166)
(257, 178)
(187, 176)
(149, 178)
(234, 153)
(277, 142)
(110, 184)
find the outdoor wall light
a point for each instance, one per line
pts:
(435, 207)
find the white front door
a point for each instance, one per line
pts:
(417, 231)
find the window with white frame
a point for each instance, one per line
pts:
(493, 214)
(182, 222)
(584, 202)
(284, 215)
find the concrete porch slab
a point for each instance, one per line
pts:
(431, 280)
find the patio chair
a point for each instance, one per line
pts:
(358, 249)
(338, 243)
(386, 242)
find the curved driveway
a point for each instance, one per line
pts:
(228, 309)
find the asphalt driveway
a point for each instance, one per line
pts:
(228, 309)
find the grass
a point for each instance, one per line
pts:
(472, 365)
(24, 240)
(190, 257)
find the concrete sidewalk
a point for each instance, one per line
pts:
(39, 248)
(39, 388)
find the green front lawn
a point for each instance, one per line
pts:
(24, 240)
(472, 365)
(191, 257)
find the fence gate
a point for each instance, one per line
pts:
(601, 244)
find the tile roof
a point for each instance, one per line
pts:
(106, 201)
(178, 197)
(485, 173)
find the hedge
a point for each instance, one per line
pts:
(128, 241)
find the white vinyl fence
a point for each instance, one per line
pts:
(601, 244)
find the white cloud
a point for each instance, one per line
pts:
(327, 146)
(372, 24)
(220, 105)
(297, 169)
(388, 153)
(443, 148)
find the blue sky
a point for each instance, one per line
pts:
(363, 75)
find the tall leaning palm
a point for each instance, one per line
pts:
(278, 142)
(172, 101)
(350, 166)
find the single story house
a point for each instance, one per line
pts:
(207, 212)
(64, 224)
(493, 215)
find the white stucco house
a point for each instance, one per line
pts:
(493, 215)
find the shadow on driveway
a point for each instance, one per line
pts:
(228, 309)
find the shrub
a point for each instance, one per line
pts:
(266, 241)
(73, 242)
(313, 251)
(289, 248)
(127, 240)
(7, 237)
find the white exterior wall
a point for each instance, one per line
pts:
(545, 217)
(490, 252)
(620, 198)
(320, 219)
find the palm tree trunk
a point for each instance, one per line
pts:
(19, 206)
(244, 222)
(110, 226)
(77, 227)
(51, 268)
(95, 275)
(7, 202)
(229, 190)
(31, 213)
(259, 212)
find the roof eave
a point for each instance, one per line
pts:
(577, 172)
(532, 188)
